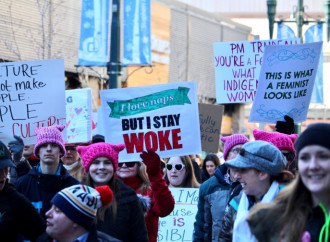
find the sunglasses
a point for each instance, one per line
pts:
(177, 167)
(289, 156)
(128, 164)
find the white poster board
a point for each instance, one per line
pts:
(286, 83)
(179, 225)
(237, 66)
(79, 115)
(163, 118)
(32, 95)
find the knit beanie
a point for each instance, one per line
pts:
(280, 140)
(260, 155)
(231, 141)
(5, 157)
(315, 134)
(93, 151)
(80, 203)
(51, 134)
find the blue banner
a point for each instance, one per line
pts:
(94, 33)
(137, 37)
(315, 34)
(284, 32)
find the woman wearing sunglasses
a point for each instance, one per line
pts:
(146, 178)
(123, 218)
(180, 172)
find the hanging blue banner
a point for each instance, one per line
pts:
(315, 34)
(94, 33)
(137, 38)
(284, 32)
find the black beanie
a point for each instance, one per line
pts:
(315, 134)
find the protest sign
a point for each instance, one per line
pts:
(210, 118)
(32, 95)
(237, 67)
(78, 115)
(286, 82)
(163, 118)
(179, 225)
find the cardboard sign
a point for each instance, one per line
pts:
(79, 115)
(32, 95)
(163, 118)
(210, 118)
(237, 67)
(179, 225)
(286, 82)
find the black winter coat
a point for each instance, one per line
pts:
(129, 224)
(41, 188)
(17, 215)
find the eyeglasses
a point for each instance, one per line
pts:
(289, 156)
(177, 167)
(128, 164)
(70, 148)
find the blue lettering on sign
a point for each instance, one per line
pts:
(37, 205)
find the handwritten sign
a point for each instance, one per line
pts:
(163, 118)
(79, 115)
(179, 225)
(237, 67)
(287, 79)
(32, 95)
(210, 118)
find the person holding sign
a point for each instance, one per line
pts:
(147, 179)
(123, 217)
(259, 167)
(214, 193)
(301, 212)
(49, 176)
(180, 172)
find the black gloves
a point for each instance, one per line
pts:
(16, 148)
(285, 127)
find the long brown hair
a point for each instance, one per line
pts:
(189, 180)
(142, 174)
(288, 212)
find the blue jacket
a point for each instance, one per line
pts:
(213, 198)
(40, 188)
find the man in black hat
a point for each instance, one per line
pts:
(17, 214)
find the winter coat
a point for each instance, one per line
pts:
(17, 215)
(162, 201)
(205, 175)
(213, 198)
(265, 232)
(94, 236)
(40, 188)
(129, 224)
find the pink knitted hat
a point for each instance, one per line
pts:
(51, 134)
(93, 151)
(231, 141)
(280, 140)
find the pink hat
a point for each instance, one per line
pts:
(280, 140)
(51, 134)
(231, 141)
(93, 151)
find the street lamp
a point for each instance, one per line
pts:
(299, 14)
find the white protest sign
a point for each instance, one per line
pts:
(163, 118)
(78, 115)
(237, 67)
(286, 82)
(32, 95)
(179, 225)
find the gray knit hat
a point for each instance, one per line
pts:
(261, 155)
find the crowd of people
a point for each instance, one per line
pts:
(274, 187)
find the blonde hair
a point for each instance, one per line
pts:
(189, 180)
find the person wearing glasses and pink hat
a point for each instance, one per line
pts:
(123, 218)
(180, 172)
(146, 178)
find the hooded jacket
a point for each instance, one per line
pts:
(213, 199)
(40, 188)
